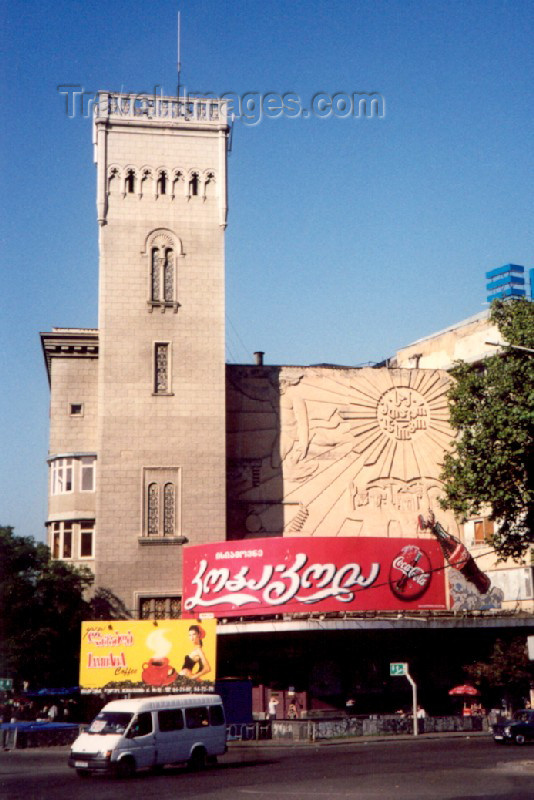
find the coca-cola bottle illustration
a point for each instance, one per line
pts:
(456, 553)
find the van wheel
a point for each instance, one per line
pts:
(198, 759)
(125, 768)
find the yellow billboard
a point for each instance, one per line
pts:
(148, 656)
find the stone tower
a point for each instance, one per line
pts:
(161, 203)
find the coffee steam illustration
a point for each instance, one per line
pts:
(157, 671)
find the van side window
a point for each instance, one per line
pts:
(142, 725)
(196, 717)
(171, 720)
(216, 715)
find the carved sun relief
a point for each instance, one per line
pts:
(338, 451)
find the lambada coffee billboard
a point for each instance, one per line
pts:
(296, 575)
(148, 656)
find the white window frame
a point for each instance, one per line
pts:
(59, 474)
(81, 531)
(58, 529)
(87, 465)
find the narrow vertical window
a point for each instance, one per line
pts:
(56, 537)
(162, 183)
(161, 368)
(155, 279)
(87, 534)
(168, 276)
(88, 474)
(209, 184)
(153, 509)
(67, 540)
(169, 496)
(130, 182)
(193, 184)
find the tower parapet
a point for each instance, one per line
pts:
(147, 107)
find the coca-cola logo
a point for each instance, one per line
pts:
(410, 573)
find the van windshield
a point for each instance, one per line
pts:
(110, 722)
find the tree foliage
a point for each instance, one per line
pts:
(491, 464)
(508, 669)
(41, 606)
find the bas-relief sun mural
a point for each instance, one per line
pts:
(335, 452)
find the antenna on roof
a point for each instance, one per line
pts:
(179, 63)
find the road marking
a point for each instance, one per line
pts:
(269, 793)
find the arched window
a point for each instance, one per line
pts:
(113, 180)
(153, 509)
(161, 513)
(168, 276)
(163, 252)
(147, 182)
(162, 183)
(129, 183)
(156, 275)
(169, 511)
(209, 184)
(177, 178)
(193, 184)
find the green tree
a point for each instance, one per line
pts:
(41, 606)
(508, 669)
(491, 462)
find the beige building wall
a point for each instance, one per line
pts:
(464, 341)
(161, 325)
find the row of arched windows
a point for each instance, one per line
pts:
(162, 182)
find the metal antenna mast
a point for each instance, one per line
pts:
(179, 63)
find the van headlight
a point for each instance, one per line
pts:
(104, 754)
(507, 730)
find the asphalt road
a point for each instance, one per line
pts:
(409, 769)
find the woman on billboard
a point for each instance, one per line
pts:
(196, 665)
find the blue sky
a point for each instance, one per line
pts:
(347, 239)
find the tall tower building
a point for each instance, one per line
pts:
(155, 421)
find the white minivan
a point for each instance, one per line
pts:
(134, 734)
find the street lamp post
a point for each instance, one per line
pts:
(528, 350)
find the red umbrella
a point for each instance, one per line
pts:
(463, 690)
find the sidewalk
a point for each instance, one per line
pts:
(403, 737)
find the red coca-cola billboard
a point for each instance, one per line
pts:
(262, 577)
